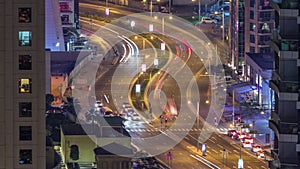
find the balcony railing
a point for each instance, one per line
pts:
(266, 19)
(288, 45)
(263, 43)
(290, 4)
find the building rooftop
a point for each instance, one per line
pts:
(64, 62)
(264, 61)
(106, 124)
(115, 149)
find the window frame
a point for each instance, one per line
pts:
(25, 133)
(28, 107)
(22, 18)
(26, 89)
(24, 66)
(22, 151)
(23, 39)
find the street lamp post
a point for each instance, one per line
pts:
(223, 24)
(199, 9)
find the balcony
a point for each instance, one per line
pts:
(273, 126)
(263, 43)
(270, 19)
(275, 163)
(286, 7)
(289, 45)
(288, 131)
(265, 8)
(284, 87)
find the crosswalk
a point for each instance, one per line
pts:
(133, 130)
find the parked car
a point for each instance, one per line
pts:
(256, 148)
(206, 20)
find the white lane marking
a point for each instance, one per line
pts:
(206, 162)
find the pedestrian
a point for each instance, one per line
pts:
(166, 121)
(169, 158)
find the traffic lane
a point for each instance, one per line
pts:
(216, 144)
(182, 159)
(96, 10)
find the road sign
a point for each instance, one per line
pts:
(106, 11)
(150, 27)
(144, 67)
(163, 46)
(203, 149)
(138, 88)
(240, 163)
(155, 62)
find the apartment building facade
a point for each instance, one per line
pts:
(285, 118)
(22, 95)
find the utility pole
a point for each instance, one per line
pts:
(199, 11)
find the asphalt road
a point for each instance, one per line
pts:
(215, 143)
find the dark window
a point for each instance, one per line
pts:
(25, 133)
(25, 109)
(25, 156)
(252, 39)
(24, 62)
(25, 85)
(252, 15)
(252, 3)
(24, 38)
(65, 19)
(265, 50)
(252, 49)
(24, 15)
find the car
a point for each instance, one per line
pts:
(218, 17)
(135, 117)
(239, 136)
(206, 20)
(231, 133)
(247, 144)
(98, 103)
(261, 154)
(256, 148)
(248, 139)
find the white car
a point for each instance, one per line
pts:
(247, 145)
(135, 117)
(206, 20)
(248, 139)
(98, 103)
(256, 148)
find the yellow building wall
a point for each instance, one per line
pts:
(85, 144)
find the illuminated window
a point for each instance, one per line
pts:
(25, 85)
(25, 109)
(25, 133)
(24, 38)
(25, 156)
(24, 62)
(24, 15)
